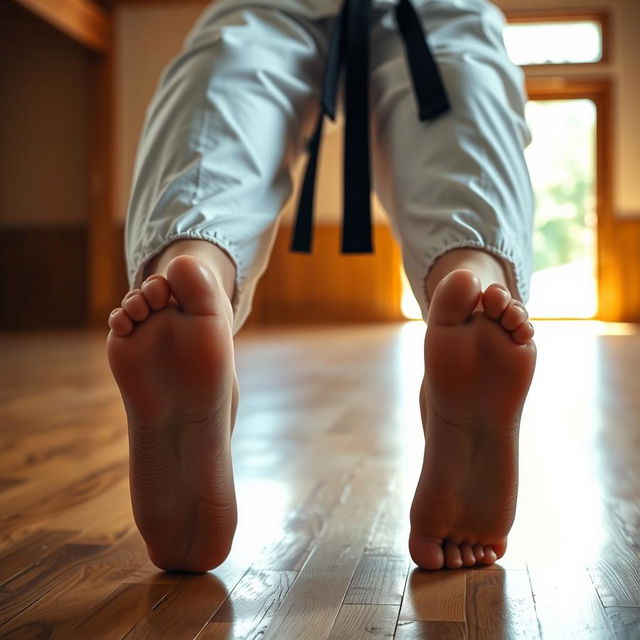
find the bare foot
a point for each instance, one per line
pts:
(170, 349)
(479, 361)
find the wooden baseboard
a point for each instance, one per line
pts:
(43, 278)
(619, 281)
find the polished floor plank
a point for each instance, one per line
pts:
(435, 596)
(29, 586)
(116, 614)
(378, 580)
(104, 519)
(313, 602)
(83, 585)
(500, 604)
(326, 451)
(431, 630)
(301, 530)
(29, 550)
(616, 575)
(364, 622)
(625, 622)
(184, 612)
(25, 515)
(390, 532)
(567, 604)
(250, 607)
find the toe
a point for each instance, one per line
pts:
(194, 286)
(452, 555)
(426, 552)
(478, 552)
(156, 291)
(455, 298)
(468, 558)
(120, 323)
(524, 333)
(490, 555)
(135, 304)
(514, 315)
(495, 300)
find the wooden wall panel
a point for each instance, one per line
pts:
(43, 277)
(622, 287)
(327, 286)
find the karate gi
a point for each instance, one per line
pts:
(238, 107)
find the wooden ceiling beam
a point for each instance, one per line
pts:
(83, 20)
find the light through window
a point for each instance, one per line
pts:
(554, 42)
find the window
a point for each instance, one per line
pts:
(565, 39)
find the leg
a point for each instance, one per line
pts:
(199, 230)
(464, 221)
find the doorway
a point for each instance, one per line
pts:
(561, 160)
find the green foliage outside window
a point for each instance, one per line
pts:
(561, 161)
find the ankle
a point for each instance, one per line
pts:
(221, 265)
(487, 267)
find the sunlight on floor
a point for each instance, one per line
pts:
(560, 460)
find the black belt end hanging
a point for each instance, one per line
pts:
(349, 46)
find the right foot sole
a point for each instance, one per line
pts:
(172, 358)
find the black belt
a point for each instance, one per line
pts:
(349, 46)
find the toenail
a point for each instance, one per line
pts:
(113, 313)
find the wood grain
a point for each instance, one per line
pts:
(248, 610)
(325, 577)
(326, 451)
(364, 287)
(119, 611)
(364, 622)
(434, 596)
(184, 612)
(499, 604)
(83, 20)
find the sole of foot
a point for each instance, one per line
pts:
(479, 363)
(170, 350)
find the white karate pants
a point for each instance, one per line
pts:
(232, 114)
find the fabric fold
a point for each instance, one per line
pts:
(349, 49)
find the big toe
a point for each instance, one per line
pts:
(194, 286)
(455, 298)
(426, 552)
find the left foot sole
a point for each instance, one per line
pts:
(479, 362)
(170, 349)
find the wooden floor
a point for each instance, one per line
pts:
(326, 452)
